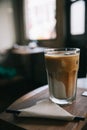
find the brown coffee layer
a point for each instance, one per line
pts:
(65, 68)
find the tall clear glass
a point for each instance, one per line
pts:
(62, 66)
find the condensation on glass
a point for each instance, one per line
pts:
(40, 21)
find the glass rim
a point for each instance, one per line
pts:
(77, 50)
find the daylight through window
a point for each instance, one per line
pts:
(40, 21)
(77, 25)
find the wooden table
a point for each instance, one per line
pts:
(78, 107)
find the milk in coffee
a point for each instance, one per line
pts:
(62, 69)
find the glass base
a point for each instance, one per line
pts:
(60, 101)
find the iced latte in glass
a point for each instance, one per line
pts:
(62, 68)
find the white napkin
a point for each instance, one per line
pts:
(46, 109)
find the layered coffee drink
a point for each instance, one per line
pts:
(62, 68)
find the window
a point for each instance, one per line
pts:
(40, 21)
(7, 25)
(77, 25)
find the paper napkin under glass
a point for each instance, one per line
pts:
(46, 109)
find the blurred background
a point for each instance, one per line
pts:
(26, 28)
